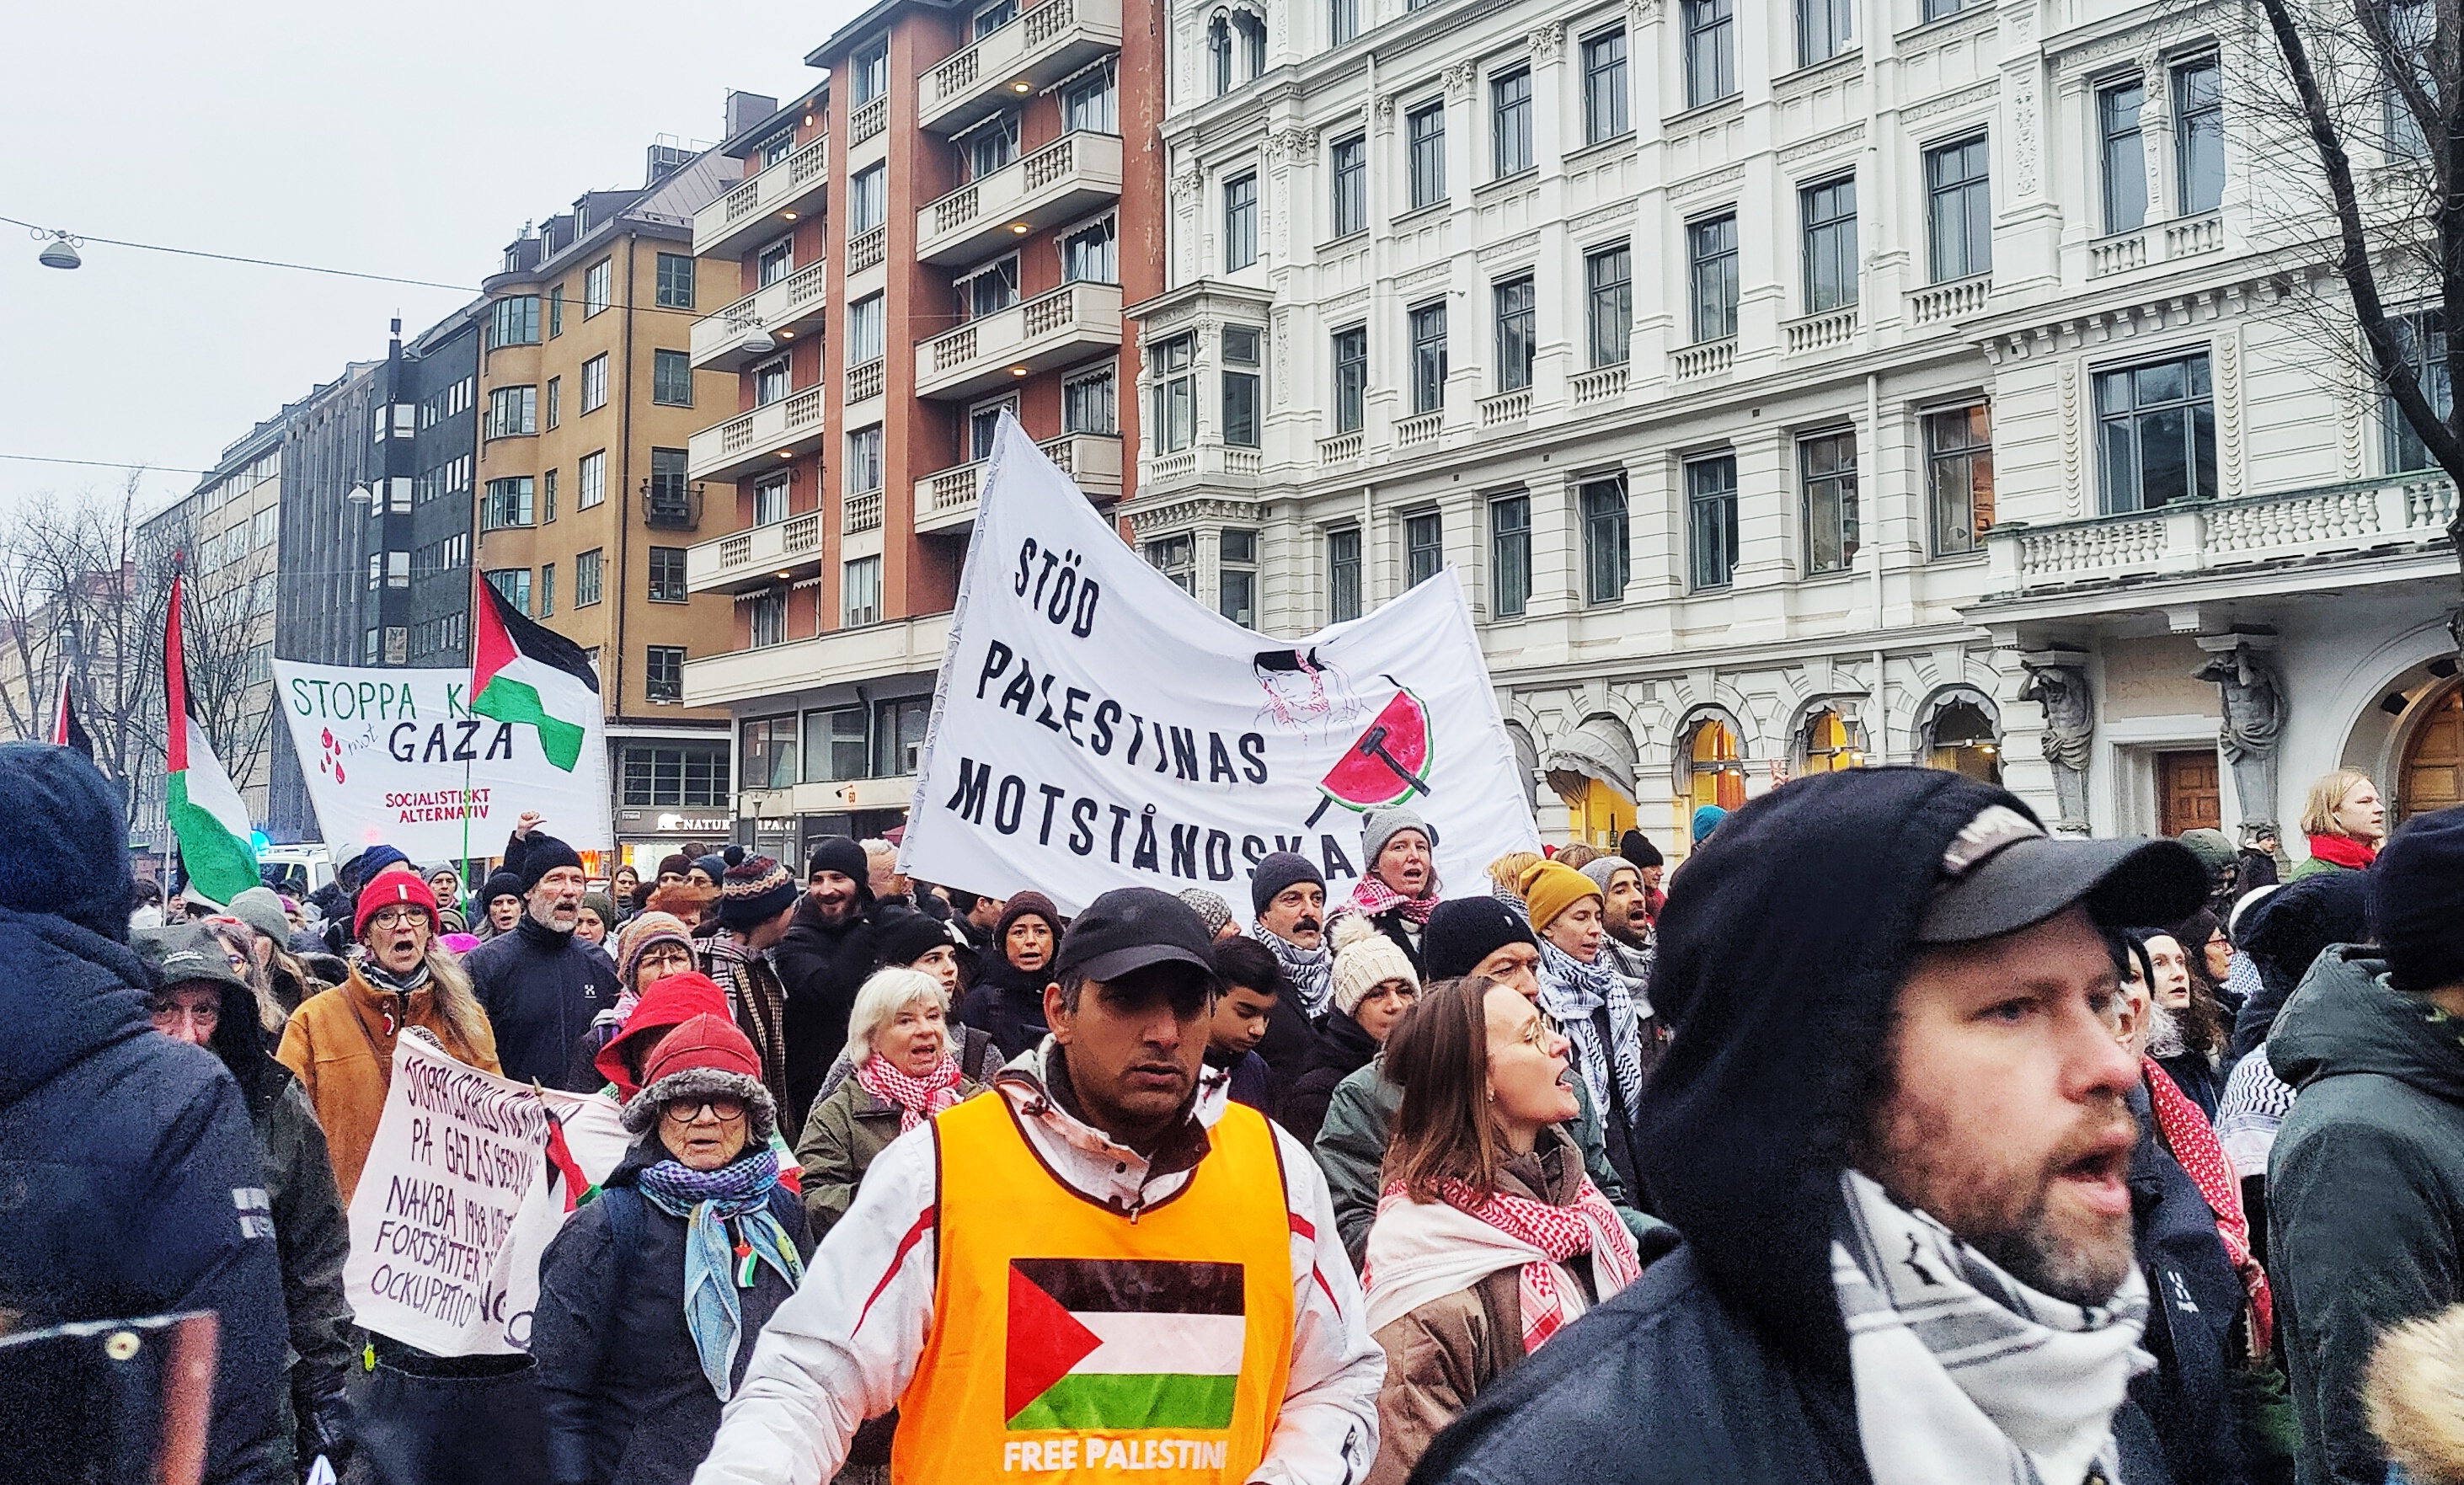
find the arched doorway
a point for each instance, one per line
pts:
(1827, 743)
(1961, 739)
(1715, 772)
(2432, 774)
(1592, 770)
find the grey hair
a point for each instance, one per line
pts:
(878, 1003)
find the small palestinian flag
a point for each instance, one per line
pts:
(523, 673)
(67, 731)
(1117, 1343)
(208, 815)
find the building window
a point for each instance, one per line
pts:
(1351, 378)
(1219, 55)
(1711, 275)
(1515, 302)
(983, 425)
(1342, 20)
(1959, 477)
(1086, 404)
(1510, 123)
(1350, 173)
(899, 728)
(2125, 155)
(508, 503)
(1176, 393)
(675, 281)
(2156, 434)
(556, 312)
(770, 753)
(1710, 50)
(512, 411)
(1090, 255)
(671, 378)
(593, 469)
(770, 499)
(547, 497)
(666, 496)
(1938, 10)
(594, 382)
(598, 287)
(1241, 361)
(864, 467)
(1711, 520)
(868, 320)
(989, 290)
(1822, 30)
(1959, 210)
(1091, 102)
(555, 400)
(1236, 577)
(1427, 127)
(2199, 135)
(1240, 221)
(2424, 347)
(668, 574)
(867, 199)
(1604, 86)
(988, 146)
(1175, 557)
(835, 745)
(1251, 29)
(768, 617)
(1608, 280)
(1509, 556)
(514, 586)
(1429, 357)
(1424, 548)
(1827, 467)
(513, 322)
(589, 576)
(1606, 560)
(547, 591)
(1343, 575)
(775, 150)
(674, 776)
(770, 382)
(1830, 213)
(774, 262)
(869, 73)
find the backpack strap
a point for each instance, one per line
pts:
(624, 1206)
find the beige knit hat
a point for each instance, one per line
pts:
(1364, 959)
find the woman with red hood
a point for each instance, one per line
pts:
(667, 1002)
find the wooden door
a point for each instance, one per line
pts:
(2433, 760)
(2188, 795)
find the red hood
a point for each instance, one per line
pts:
(663, 1008)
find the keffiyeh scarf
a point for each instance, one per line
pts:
(1965, 1376)
(917, 1099)
(1420, 1252)
(716, 1266)
(1310, 971)
(2250, 1110)
(1371, 897)
(2195, 1148)
(1569, 992)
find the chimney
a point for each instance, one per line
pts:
(745, 110)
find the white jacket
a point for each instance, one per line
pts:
(844, 1347)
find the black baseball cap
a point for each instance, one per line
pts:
(1131, 928)
(2004, 873)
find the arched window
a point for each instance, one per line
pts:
(1714, 772)
(1253, 43)
(1219, 53)
(1831, 744)
(1962, 740)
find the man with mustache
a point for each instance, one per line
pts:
(1893, 1127)
(540, 985)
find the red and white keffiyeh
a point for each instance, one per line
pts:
(2192, 1140)
(1370, 896)
(1419, 1251)
(918, 1099)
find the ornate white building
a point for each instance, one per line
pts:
(1794, 384)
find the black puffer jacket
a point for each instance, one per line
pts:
(619, 1379)
(1342, 1048)
(540, 989)
(821, 966)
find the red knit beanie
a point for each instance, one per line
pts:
(392, 888)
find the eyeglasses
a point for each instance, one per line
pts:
(668, 953)
(1535, 1033)
(397, 917)
(685, 1111)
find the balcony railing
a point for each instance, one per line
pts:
(897, 646)
(791, 307)
(866, 119)
(669, 506)
(751, 209)
(1941, 303)
(1599, 385)
(2193, 536)
(946, 499)
(1421, 428)
(1033, 51)
(1706, 360)
(1506, 408)
(864, 380)
(1064, 181)
(754, 557)
(860, 513)
(786, 428)
(1821, 332)
(2187, 238)
(868, 249)
(1340, 448)
(1034, 335)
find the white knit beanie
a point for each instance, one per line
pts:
(1364, 959)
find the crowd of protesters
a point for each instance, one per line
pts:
(1889, 1136)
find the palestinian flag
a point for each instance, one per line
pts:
(207, 817)
(524, 673)
(1117, 1343)
(67, 731)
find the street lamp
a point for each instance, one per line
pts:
(60, 252)
(361, 495)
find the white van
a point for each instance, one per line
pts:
(310, 856)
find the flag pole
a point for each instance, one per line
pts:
(470, 647)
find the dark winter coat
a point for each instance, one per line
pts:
(540, 989)
(137, 1175)
(1729, 1360)
(841, 1137)
(1286, 1048)
(1343, 1048)
(2365, 1193)
(821, 966)
(2285, 932)
(2195, 1298)
(1248, 1079)
(619, 1379)
(1007, 1005)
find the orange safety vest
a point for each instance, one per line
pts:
(1070, 1341)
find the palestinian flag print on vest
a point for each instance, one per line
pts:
(206, 815)
(526, 673)
(1118, 1343)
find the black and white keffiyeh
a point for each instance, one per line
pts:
(1309, 971)
(1571, 991)
(1965, 1376)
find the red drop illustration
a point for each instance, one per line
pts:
(329, 737)
(338, 773)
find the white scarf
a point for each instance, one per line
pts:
(1423, 1251)
(1964, 1376)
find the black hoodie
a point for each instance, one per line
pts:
(1729, 1360)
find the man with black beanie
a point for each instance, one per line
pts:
(539, 985)
(823, 961)
(2365, 1181)
(1892, 1124)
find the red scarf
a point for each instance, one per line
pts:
(1588, 1224)
(918, 1099)
(1371, 896)
(2192, 1140)
(2343, 851)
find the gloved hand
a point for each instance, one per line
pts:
(325, 1429)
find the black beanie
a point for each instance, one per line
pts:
(65, 850)
(842, 855)
(1463, 930)
(502, 883)
(2417, 901)
(1277, 872)
(909, 936)
(1637, 847)
(541, 855)
(734, 856)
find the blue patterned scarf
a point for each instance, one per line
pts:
(1569, 992)
(708, 1200)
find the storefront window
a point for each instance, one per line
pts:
(1715, 774)
(1831, 743)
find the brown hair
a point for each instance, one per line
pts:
(1439, 1056)
(1578, 855)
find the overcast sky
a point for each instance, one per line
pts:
(410, 140)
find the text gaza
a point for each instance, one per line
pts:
(449, 742)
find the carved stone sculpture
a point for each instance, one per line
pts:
(2070, 725)
(2254, 721)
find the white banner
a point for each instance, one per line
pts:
(395, 756)
(1095, 728)
(462, 1191)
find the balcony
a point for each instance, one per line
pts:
(2195, 537)
(789, 308)
(1708, 359)
(1068, 324)
(946, 499)
(1036, 49)
(750, 441)
(762, 206)
(1823, 332)
(897, 646)
(753, 558)
(1941, 304)
(668, 506)
(1067, 179)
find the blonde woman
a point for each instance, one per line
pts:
(2346, 820)
(899, 1041)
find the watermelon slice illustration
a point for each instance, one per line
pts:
(1386, 765)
